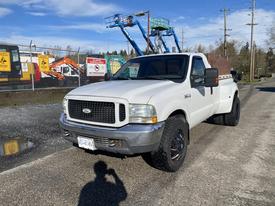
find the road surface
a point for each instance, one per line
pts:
(224, 166)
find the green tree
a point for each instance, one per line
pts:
(243, 59)
(260, 62)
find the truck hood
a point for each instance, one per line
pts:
(135, 91)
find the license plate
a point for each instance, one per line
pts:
(86, 143)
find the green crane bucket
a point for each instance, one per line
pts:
(160, 24)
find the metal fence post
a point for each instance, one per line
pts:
(79, 73)
(32, 67)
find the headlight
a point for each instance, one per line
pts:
(142, 113)
(64, 104)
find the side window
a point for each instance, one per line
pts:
(198, 68)
(15, 55)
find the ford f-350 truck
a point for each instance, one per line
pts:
(149, 107)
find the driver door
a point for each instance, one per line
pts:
(201, 104)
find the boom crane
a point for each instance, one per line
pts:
(160, 28)
(122, 22)
(171, 32)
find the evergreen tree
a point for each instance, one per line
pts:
(244, 59)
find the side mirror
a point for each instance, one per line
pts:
(236, 76)
(211, 77)
(107, 76)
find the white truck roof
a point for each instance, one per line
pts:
(170, 54)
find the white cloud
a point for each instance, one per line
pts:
(100, 28)
(211, 30)
(67, 7)
(37, 13)
(178, 19)
(81, 7)
(4, 11)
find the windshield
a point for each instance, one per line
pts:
(167, 67)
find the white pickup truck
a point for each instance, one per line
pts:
(149, 107)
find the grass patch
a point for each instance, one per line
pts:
(43, 96)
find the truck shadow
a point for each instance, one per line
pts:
(100, 191)
(266, 89)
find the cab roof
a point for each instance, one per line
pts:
(170, 54)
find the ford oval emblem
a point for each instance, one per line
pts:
(86, 111)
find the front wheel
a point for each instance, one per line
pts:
(173, 146)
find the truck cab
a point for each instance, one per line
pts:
(149, 107)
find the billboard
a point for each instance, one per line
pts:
(96, 67)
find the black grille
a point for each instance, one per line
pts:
(122, 114)
(103, 112)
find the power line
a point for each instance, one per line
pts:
(182, 39)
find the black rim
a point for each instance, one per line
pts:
(177, 146)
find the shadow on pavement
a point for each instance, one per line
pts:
(100, 191)
(266, 89)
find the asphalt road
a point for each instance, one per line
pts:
(35, 123)
(224, 166)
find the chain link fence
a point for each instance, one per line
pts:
(45, 67)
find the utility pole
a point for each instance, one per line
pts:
(143, 13)
(79, 73)
(252, 24)
(182, 39)
(32, 66)
(225, 34)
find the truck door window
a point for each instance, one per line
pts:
(198, 68)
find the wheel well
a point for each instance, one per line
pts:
(178, 112)
(181, 112)
(236, 94)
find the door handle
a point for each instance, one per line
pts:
(187, 96)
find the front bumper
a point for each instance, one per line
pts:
(129, 139)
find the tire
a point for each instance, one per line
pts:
(173, 146)
(216, 119)
(233, 118)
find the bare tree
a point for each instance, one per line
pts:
(271, 34)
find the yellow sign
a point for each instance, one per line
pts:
(115, 66)
(43, 61)
(11, 147)
(5, 62)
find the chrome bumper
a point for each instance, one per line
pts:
(129, 139)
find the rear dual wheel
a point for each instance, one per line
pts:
(233, 118)
(229, 119)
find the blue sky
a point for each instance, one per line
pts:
(80, 23)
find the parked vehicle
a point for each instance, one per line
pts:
(10, 66)
(149, 107)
